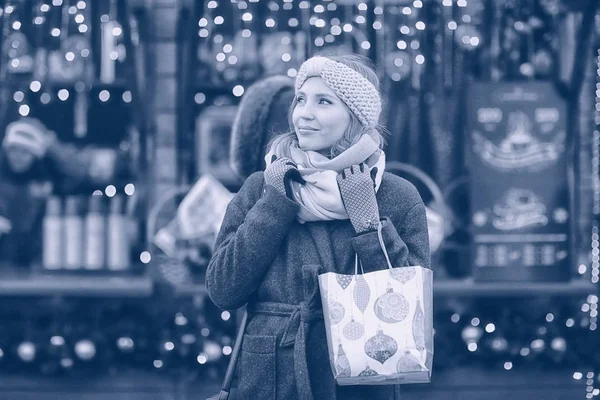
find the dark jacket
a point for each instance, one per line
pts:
(23, 199)
(264, 257)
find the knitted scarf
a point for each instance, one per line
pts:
(319, 198)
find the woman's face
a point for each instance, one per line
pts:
(320, 118)
(19, 159)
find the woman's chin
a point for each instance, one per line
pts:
(304, 145)
(308, 148)
(310, 145)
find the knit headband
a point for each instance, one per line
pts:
(359, 94)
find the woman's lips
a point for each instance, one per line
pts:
(307, 131)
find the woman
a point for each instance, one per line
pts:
(320, 201)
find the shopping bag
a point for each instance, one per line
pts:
(380, 324)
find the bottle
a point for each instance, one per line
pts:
(95, 234)
(52, 257)
(73, 233)
(118, 238)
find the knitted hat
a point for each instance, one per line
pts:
(262, 113)
(28, 133)
(359, 94)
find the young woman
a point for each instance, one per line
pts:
(321, 200)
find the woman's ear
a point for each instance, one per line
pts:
(263, 112)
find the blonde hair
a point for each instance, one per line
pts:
(280, 144)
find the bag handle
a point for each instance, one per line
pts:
(380, 236)
(382, 244)
(356, 265)
(226, 387)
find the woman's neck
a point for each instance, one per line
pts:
(325, 152)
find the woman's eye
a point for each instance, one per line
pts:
(324, 101)
(300, 99)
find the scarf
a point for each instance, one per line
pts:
(319, 198)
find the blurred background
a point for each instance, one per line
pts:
(115, 169)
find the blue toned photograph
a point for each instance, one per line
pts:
(299, 199)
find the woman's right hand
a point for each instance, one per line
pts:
(279, 172)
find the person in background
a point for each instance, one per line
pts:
(323, 197)
(33, 166)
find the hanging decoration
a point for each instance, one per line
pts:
(417, 326)
(391, 307)
(368, 372)
(342, 363)
(408, 363)
(381, 347)
(343, 280)
(353, 330)
(336, 312)
(362, 293)
(403, 275)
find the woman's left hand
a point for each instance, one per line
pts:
(358, 194)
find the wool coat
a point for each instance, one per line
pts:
(264, 257)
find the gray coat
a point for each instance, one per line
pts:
(264, 257)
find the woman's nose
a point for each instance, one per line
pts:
(306, 112)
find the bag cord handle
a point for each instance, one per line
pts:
(382, 244)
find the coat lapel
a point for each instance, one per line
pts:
(322, 239)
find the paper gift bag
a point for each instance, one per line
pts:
(379, 325)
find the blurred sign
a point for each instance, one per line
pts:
(199, 217)
(519, 189)
(213, 135)
(202, 210)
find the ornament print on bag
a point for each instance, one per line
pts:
(403, 275)
(336, 312)
(391, 307)
(417, 328)
(368, 372)
(362, 294)
(378, 337)
(381, 347)
(353, 330)
(344, 280)
(408, 363)
(342, 364)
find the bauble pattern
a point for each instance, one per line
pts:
(381, 347)
(391, 307)
(353, 330)
(362, 293)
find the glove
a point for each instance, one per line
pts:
(358, 194)
(280, 172)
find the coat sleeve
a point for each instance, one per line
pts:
(250, 237)
(406, 241)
